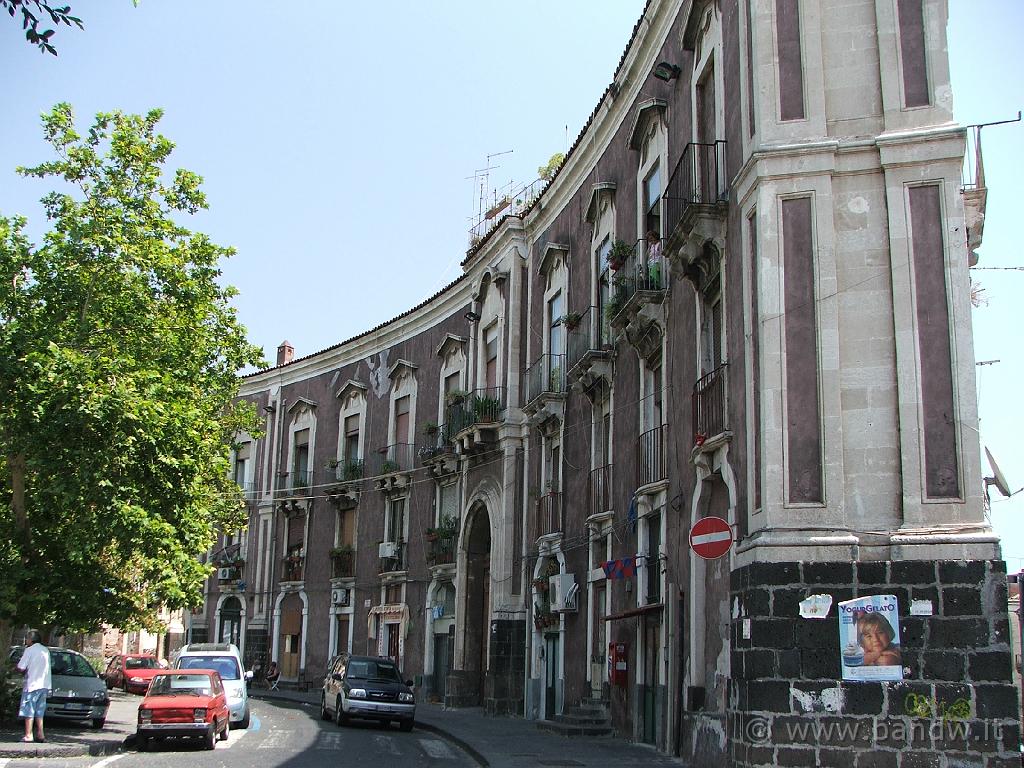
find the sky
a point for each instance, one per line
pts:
(343, 147)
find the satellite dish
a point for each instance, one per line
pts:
(998, 479)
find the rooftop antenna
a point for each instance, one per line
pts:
(998, 479)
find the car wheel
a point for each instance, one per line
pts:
(324, 714)
(143, 743)
(406, 725)
(339, 714)
(244, 722)
(210, 739)
(98, 722)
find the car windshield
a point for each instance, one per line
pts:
(144, 662)
(226, 665)
(374, 670)
(180, 685)
(70, 664)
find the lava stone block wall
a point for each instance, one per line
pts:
(504, 683)
(956, 707)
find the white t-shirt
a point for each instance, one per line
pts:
(35, 663)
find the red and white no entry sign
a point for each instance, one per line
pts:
(710, 537)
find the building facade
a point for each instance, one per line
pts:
(744, 295)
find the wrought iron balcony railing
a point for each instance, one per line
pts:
(482, 406)
(698, 179)
(392, 556)
(549, 513)
(343, 563)
(545, 377)
(708, 402)
(589, 333)
(442, 547)
(348, 471)
(398, 457)
(291, 568)
(298, 483)
(600, 491)
(435, 443)
(651, 456)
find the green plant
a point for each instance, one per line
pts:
(556, 379)
(389, 466)
(353, 470)
(447, 524)
(456, 397)
(620, 251)
(430, 428)
(341, 551)
(570, 320)
(486, 408)
(332, 463)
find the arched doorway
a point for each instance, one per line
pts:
(230, 629)
(477, 601)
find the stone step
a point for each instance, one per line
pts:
(582, 729)
(582, 718)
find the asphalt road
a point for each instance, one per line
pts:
(283, 735)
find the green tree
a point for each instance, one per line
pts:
(554, 163)
(59, 14)
(118, 360)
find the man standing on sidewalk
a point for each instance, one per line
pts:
(35, 665)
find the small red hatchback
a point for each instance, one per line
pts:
(184, 703)
(131, 672)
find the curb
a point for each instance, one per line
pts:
(465, 746)
(47, 750)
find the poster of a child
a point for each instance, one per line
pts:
(869, 638)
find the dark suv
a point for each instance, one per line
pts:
(369, 687)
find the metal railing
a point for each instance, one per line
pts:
(291, 568)
(545, 377)
(397, 457)
(343, 564)
(482, 406)
(396, 562)
(643, 270)
(513, 201)
(698, 179)
(549, 513)
(442, 547)
(651, 456)
(294, 484)
(708, 403)
(600, 491)
(587, 334)
(349, 471)
(436, 443)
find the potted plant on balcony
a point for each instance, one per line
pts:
(571, 320)
(618, 254)
(430, 428)
(352, 470)
(456, 397)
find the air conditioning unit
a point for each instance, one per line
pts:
(225, 574)
(339, 596)
(388, 549)
(563, 592)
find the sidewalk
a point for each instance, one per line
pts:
(511, 742)
(66, 739)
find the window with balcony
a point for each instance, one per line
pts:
(399, 455)
(300, 459)
(351, 421)
(652, 201)
(549, 503)
(242, 462)
(490, 357)
(395, 535)
(601, 459)
(709, 391)
(652, 562)
(651, 465)
(295, 548)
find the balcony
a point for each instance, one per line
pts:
(696, 202)
(589, 347)
(442, 546)
(651, 467)
(392, 556)
(294, 485)
(549, 513)
(344, 483)
(708, 406)
(600, 490)
(472, 418)
(292, 567)
(544, 386)
(636, 303)
(343, 562)
(392, 465)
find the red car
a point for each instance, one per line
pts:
(184, 703)
(131, 672)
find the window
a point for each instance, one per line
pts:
(711, 316)
(653, 560)
(556, 310)
(448, 503)
(654, 387)
(241, 462)
(652, 200)
(451, 383)
(402, 419)
(395, 522)
(491, 357)
(350, 448)
(300, 459)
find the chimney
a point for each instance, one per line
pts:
(285, 353)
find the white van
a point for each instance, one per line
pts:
(226, 659)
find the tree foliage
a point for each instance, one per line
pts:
(59, 14)
(118, 360)
(546, 172)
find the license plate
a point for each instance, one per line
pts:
(77, 706)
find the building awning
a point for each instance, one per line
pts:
(390, 613)
(638, 611)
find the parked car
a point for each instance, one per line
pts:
(131, 672)
(77, 692)
(184, 703)
(367, 687)
(226, 659)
